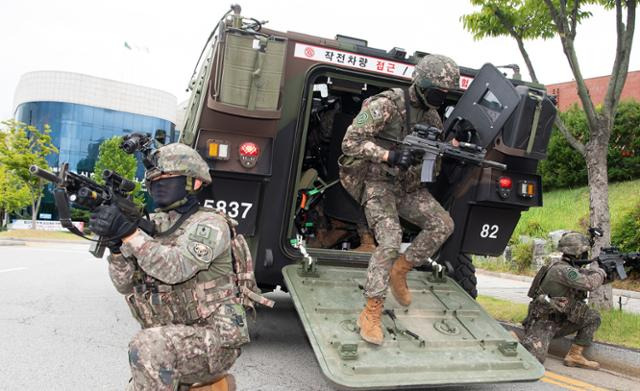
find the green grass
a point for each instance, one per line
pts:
(617, 327)
(503, 310)
(569, 209)
(35, 234)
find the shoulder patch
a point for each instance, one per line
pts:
(572, 274)
(207, 234)
(363, 118)
(201, 251)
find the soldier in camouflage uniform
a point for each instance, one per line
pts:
(558, 307)
(391, 183)
(179, 283)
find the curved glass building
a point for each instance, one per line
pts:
(84, 110)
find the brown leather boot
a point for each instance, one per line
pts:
(367, 242)
(575, 359)
(225, 383)
(369, 321)
(398, 280)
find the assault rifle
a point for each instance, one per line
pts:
(88, 194)
(611, 260)
(424, 138)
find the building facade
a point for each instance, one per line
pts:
(567, 92)
(83, 111)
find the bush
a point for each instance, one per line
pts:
(534, 229)
(626, 231)
(522, 255)
(565, 167)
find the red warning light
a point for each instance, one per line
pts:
(249, 149)
(504, 182)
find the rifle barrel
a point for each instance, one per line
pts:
(44, 174)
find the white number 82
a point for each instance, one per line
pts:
(489, 231)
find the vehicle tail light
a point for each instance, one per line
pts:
(526, 189)
(504, 187)
(218, 150)
(504, 182)
(249, 154)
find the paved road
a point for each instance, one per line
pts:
(514, 290)
(64, 327)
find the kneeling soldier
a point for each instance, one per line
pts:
(180, 283)
(558, 307)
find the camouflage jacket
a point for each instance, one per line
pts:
(182, 278)
(384, 115)
(564, 290)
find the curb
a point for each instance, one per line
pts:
(11, 242)
(612, 357)
(515, 277)
(25, 240)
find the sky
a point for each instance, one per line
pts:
(166, 37)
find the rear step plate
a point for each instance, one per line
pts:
(443, 338)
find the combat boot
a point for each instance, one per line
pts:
(575, 359)
(225, 383)
(367, 243)
(398, 280)
(370, 322)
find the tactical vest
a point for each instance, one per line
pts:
(354, 171)
(534, 289)
(208, 298)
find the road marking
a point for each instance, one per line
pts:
(13, 270)
(568, 382)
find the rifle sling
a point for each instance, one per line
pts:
(180, 221)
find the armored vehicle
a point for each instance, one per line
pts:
(268, 112)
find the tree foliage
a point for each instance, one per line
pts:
(112, 157)
(565, 167)
(22, 146)
(525, 19)
(14, 195)
(563, 17)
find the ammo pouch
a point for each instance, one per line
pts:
(352, 174)
(187, 303)
(575, 313)
(231, 322)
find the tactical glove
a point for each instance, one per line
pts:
(401, 159)
(114, 246)
(463, 131)
(109, 222)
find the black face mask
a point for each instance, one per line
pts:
(166, 191)
(434, 97)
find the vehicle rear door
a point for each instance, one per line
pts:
(444, 337)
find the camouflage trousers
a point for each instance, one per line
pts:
(383, 204)
(541, 328)
(162, 358)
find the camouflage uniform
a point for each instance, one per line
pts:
(180, 287)
(559, 309)
(389, 193)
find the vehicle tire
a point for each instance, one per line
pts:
(464, 273)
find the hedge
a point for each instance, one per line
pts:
(565, 167)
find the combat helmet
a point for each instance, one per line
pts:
(178, 159)
(573, 244)
(435, 70)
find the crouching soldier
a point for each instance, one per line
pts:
(558, 307)
(186, 285)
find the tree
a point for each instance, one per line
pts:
(112, 157)
(21, 146)
(14, 195)
(562, 18)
